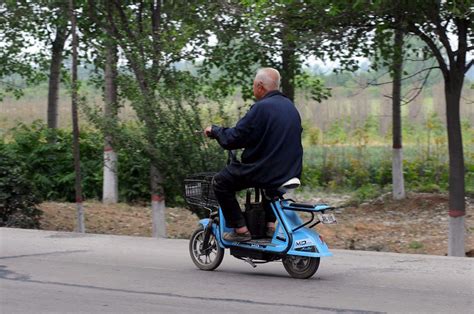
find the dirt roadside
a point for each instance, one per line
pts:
(418, 224)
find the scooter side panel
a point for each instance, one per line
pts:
(302, 238)
(305, 238)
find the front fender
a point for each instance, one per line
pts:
(215, 231)
(204, 222)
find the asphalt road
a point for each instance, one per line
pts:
(46, 272)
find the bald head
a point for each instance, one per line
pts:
(269, 77)
(266, 80)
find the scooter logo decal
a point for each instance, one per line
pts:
(300, 243)
(304, 242)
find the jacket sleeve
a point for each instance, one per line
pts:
(242, 135)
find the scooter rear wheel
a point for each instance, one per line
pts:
(209, 259)
(301, 267)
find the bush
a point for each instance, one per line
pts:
(470, 180)
(311, 176)
(49, 165)
(18, 195)
(349, 168)
(366, 192)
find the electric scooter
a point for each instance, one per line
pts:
(294, 242)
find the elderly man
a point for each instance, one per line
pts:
(270, 133)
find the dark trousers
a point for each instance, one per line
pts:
(225, 187)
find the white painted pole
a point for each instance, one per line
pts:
(158, 217)
(110, 184)
(397, 174)
(456, 236)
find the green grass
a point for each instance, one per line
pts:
(415, 245)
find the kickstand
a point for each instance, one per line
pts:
(250, 261)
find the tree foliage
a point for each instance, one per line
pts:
(152, 37)
(252, 34)
(28, 32)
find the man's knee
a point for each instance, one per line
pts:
(222, 183)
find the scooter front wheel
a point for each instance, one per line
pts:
(301, 267)
(208, 259)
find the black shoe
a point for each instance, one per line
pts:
(237, 237)
(270, 231)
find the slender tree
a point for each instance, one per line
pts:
(110, 181)
(60, 22)
(152, 36)
(434, 22)
(102, 52)
(397, 153)
(443, 26)
(75, 120)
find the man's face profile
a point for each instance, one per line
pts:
(258, 89)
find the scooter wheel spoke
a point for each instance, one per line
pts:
(208, 259)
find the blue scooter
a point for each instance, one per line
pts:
(294, 242)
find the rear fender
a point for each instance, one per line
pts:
(305, 238)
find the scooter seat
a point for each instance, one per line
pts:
(291, 184)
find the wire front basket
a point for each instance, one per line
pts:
(198, 191)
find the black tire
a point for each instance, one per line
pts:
(209, 260)
(301, 267)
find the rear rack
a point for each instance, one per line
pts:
(308, 208)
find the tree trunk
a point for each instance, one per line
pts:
(146, 79)
(398, 183)
(156, 179)
(75, 123)
(289, 64)
(457, 209)
(54, 75)
(110, 180)
(157, 203)
(287, 76)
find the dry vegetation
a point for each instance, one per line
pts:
(354, 102)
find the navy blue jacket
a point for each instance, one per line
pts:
(270, 132)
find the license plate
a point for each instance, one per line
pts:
(327, 218)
